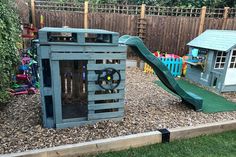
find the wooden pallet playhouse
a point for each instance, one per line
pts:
(82, 75)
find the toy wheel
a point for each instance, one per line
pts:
(31, 91)
(109, 78)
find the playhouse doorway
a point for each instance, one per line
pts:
(74, 89)
(231, 70)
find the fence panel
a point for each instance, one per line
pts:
(122, 23)
(173, 64)
(168, 29)
(170, 34)
(60, 18)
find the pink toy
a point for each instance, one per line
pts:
(21, 91)
(22, 77)
(25, 60)
(171, 56)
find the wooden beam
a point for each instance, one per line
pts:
(85, 14)
(202, 20)
(141, 26)
(143, 9)
(33, 12)
(125, 142)
(202, 129)
(94, 147)
(225, 17)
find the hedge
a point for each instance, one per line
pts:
(9, 36)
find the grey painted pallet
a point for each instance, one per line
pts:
(94, 97)
(103, 66)
(89, 49)
(94, 54)
(87, 56)
(97, 116)
(119, 104)
(92, 86)
(79, 36)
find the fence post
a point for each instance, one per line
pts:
(226, 11)
(33, 12)
(85, 14)
(143, 8)
(202, 20)
(142, 22)
(141, 28)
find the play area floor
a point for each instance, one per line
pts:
(211, 101)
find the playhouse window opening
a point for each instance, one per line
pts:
(73, 91)
(107, 110)
(233, 60)
(71, 52)
(114, 82)
(46, 73)
(117, 52)
(62, 37)
(106, 101)
(107, 91)
(220, 60)
(108, 61)
(48, 106)
(98, 38)
(214, 82)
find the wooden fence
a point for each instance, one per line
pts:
(166, 29)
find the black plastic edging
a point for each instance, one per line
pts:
(165, 135)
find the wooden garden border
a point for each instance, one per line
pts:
(125, 142)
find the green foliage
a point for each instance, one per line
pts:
(9, 36)
(168, 3)
(185, 3)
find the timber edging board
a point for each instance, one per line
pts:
(202, 129)
(104, 145)
(125, 142)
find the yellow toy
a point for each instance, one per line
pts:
(148, 69)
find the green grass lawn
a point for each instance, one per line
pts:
(218, 145)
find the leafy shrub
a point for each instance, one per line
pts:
(9, 36)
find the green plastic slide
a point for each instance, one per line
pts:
(137, 45)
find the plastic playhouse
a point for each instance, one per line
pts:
(212, 60)
(82, 76)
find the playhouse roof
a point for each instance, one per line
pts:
(76, 30)
(221, 40)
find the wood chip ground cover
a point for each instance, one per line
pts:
(147, 108)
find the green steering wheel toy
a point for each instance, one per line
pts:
(109, 78)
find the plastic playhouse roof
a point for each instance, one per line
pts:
(221, 40)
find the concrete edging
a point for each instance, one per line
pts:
(125, 142)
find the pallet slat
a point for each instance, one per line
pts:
(93, 97)
(87, 56)
(103, 66)
(89, 49)
(105, 115)
(119, 104)
(95, 87)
